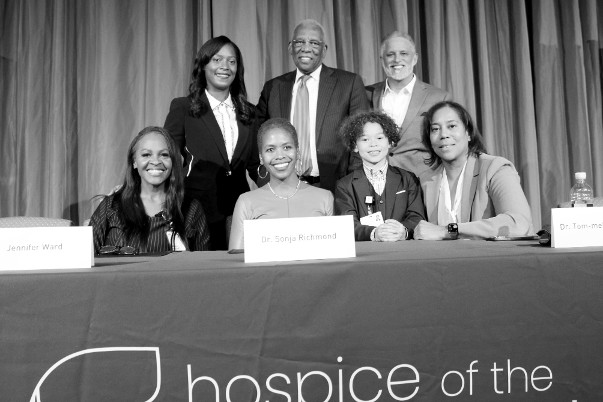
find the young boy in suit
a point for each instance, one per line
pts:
(386, 201)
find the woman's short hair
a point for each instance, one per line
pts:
(276, 123)
(476, 144)
(353, 127)
(198, 83)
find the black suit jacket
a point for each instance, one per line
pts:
(340, 94)
(410, 153)
(403, 199)
(209, 176)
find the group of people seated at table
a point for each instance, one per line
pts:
(318, 143)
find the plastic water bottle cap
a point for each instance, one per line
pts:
(580, 175)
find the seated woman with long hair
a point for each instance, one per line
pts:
(467, 193)
(285, 195)
(149, 214)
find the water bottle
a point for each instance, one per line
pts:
(581, 193)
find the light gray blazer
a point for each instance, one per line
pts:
(410, 153)
(493, 202)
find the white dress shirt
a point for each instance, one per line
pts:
(226, 117)
(395, 104)
(376, 176)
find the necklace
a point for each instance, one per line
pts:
(287, 197)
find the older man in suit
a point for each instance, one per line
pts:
(316, 98)
(405, 99)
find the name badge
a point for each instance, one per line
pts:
(46, 248)
(291, 239)
(375, 219)
(576, 227)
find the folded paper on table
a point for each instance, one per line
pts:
(46, 248)
(290, 239)
(576, 227)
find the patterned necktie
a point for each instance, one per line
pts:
(301, 117)
(377, 179)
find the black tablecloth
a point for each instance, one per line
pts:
(406, 321)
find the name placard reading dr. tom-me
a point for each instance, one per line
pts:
(290, 239)
(46, 248)
(576, 227)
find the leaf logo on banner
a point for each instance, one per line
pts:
(35, 397)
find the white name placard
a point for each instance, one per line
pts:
(46, 248)
(576, 227)
(290, 239)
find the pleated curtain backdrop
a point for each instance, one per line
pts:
(80, 78)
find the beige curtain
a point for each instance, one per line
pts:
(80, 78)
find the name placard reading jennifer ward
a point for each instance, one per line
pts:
(46, 248)
(290, 239)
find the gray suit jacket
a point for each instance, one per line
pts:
(340, 94)
(410, 152)
(492, 204)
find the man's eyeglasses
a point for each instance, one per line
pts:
(299, 43)
(118, 250)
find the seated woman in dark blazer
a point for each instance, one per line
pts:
(149, 213)
(385, 200)
(467, 193)
(213, 130)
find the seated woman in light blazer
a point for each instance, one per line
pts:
(467, 193)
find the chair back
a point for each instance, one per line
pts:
(32, 222)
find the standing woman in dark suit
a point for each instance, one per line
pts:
(213, 128)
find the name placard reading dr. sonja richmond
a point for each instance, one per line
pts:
(291, 239)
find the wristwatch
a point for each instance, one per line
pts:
(453, 231)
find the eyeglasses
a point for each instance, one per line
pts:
(118, 250)
(299, 43)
